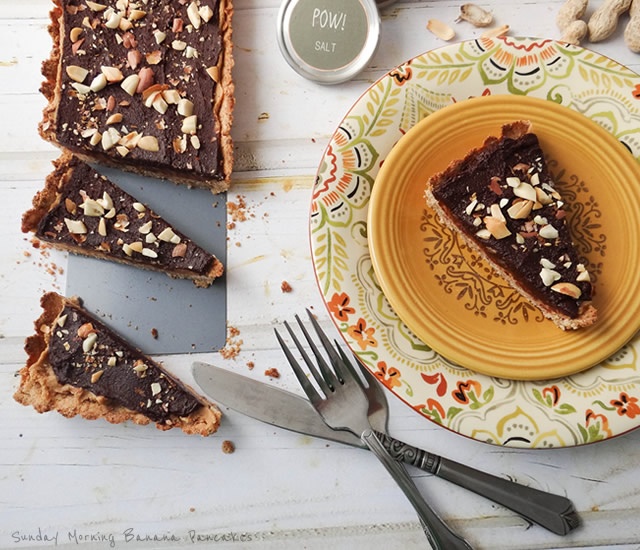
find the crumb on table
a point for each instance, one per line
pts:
(273, 373)
(285, 287)
(228, 447)
(232, 345)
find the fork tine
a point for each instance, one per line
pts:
(325, 385)
(308, 388)
(336, 360)
(332, 378)
(349, 365)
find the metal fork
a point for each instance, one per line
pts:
(345, 407)
(553, 512)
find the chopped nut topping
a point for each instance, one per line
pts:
(548, 232)
(95, 6)
(98, 83)
(194, 15)
(520, 210)
(82, 89)
(76, 227)
(569, 289)
(206, 13)
(167, 235)
(136, 246)
(115, 118)
(159, 36)
(96, 376)
(214, 73)
(102, 227)
(179, 251)
(146, 227)
(75, 33)
(497, 227)
(190, 125)
(185, 107)
(149, 253)
(84, 330)
(549, 276)
(149, 143)
(76, 73)
(112, 74)
(89, 342)
(130, 84)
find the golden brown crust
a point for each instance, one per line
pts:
(588, 313)
(40, 388)
(225, 93)
(49, 198)
(223, 105)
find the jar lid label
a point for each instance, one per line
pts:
(328, 34)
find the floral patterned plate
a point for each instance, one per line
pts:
(451, 299)
(593, 405)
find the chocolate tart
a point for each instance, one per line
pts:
(83, 212)
(77, 366)
(143, 85)
(501, 199)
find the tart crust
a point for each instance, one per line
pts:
(40, 387)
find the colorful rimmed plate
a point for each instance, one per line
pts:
(593, 405)
(451, 299)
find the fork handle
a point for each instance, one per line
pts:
(553, 512)
(438, 533)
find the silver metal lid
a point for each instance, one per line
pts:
(328, 41)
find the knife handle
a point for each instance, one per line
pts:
(553, 512)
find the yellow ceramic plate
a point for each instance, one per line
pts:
(451, 299)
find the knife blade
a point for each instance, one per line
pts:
(267, 403)
(278, 407)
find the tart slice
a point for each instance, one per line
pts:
(77, 366)
(502, 201)
(85, 213)
(144, 86)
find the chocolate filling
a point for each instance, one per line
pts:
(160, 42)
(525, 252)
(85, 353)
(126, 230)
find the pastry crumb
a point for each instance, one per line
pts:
(233, 344)
(285, 287)
(237, 210)
(228, 447)
(154, 333)
(250, 365)
(272, 373)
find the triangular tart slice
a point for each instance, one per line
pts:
(501, 199)
(83, 212)
(78, 366)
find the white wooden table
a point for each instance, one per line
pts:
(94, 485)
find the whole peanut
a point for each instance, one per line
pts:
(632, 30)
(574, 32)
(604, 20)
(569, 12)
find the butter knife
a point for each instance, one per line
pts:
(287, 410)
